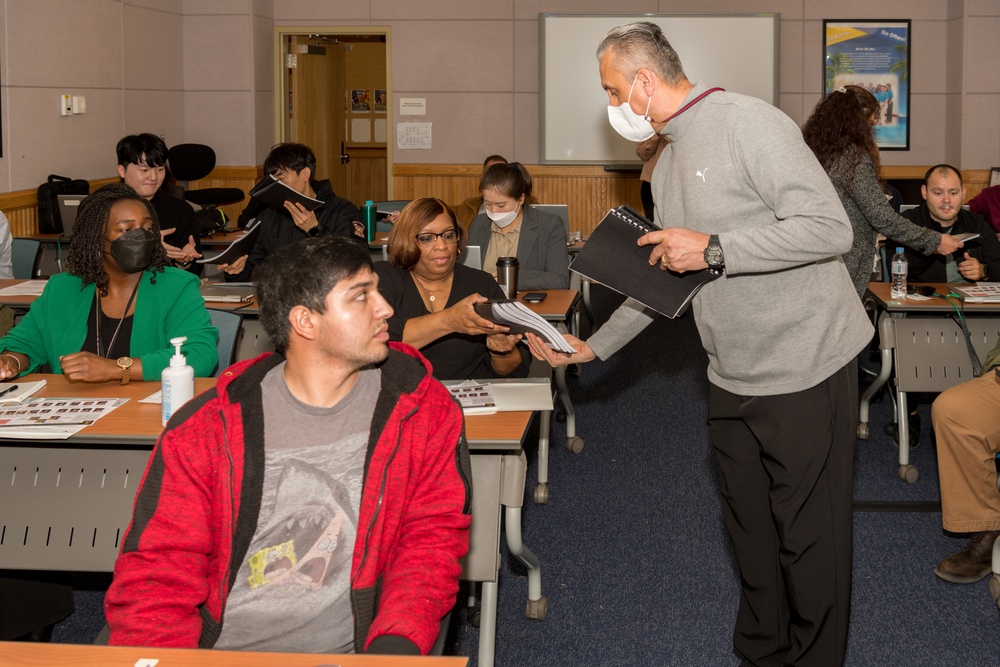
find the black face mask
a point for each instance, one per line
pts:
(133, 250)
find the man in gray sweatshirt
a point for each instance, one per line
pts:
(739, 192)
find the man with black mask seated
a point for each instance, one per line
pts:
(944, 192)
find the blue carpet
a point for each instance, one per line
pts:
(635, 561)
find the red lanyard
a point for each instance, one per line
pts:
(693, 102)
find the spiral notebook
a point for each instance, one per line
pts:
(613, 258)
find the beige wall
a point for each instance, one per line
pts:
(202, 70)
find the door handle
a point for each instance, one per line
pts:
(344, 157)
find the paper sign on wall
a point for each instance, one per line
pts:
(413, 135)
(412, 106)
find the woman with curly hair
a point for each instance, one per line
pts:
(839, 132)
(111, 317)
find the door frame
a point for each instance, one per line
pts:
(281, 81)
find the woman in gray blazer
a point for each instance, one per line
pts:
(509, 228)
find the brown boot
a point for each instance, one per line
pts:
(971, 563)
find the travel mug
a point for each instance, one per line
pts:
(507, 276)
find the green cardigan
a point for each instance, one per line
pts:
(57, 323)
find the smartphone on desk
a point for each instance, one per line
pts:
(535, 297)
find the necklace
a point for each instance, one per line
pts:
(100, 314)
(432, 293)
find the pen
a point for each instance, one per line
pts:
(9, 389)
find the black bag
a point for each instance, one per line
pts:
(210, 220)
(49, 220)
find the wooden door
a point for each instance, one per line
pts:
(316, 110)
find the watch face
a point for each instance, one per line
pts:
(125, 362)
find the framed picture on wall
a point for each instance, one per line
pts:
(361, 100)
(873, 54)
(380, 101)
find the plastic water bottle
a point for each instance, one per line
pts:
(899, 270)
(368, 214)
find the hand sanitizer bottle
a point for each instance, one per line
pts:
(177, 382)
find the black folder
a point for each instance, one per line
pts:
(612, 257)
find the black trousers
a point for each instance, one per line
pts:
(787, 466)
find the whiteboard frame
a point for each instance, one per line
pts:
(621, 19)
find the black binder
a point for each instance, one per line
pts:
(612, 257)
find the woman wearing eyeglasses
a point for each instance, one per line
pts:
(434, 297)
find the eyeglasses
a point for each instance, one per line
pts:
(428, 238)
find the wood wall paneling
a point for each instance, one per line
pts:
(588, 191)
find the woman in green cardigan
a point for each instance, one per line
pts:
(111, 317)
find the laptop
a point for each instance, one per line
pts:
(472, 257)
(227, 293)
(979, 293)
(68, 206)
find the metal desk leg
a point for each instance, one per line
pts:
(574, 443)
(585, 290)
(512, 478)
(880, 380)
(906, 472)
(542, 487)
(488, 624)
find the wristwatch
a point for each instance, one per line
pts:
(713, 255)
(125, 363)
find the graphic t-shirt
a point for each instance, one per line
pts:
(293, 590)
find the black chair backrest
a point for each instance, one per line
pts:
(189, 162)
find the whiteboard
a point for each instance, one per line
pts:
(737, 52)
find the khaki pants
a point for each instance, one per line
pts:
(967, 426)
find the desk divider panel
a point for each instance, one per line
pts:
(66, 509)
(931, 352)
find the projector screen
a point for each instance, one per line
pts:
(737, 52)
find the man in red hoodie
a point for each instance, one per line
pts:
(317, 500)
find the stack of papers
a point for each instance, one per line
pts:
(522, 319)
(15, 392)
(482, 397)
(27, 288)
(53, 418)
(475, 398)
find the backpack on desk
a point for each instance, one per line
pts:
(49, 219)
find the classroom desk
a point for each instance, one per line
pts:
(68, 502)
(927, 349)
(28, 654)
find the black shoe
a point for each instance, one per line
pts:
(914, 423)
(42, 634)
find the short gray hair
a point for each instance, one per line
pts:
(639, 45)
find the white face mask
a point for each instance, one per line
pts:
(628, 123)
(502, 220)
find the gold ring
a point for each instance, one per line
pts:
(663, 260)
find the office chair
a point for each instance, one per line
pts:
(228, 323)
(190, 162)
(24, 254)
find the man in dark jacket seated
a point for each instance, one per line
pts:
(295, 166)
(316, 500)
(944, 193)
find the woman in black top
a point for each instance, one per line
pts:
(434, 297)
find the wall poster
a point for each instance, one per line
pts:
(876, 56)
